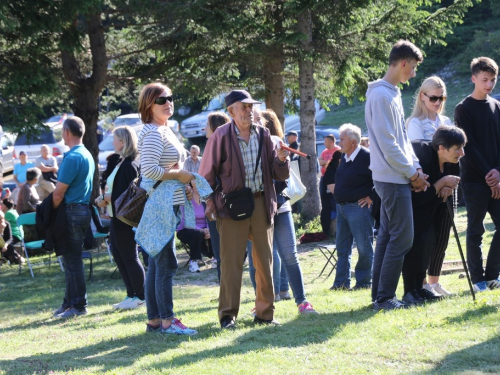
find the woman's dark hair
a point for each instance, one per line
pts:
(9, 203)
(448, 136)
(216, 119)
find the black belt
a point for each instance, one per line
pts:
(342, 203)
(258, 194)
(76, 204)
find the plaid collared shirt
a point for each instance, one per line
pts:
(249, 154)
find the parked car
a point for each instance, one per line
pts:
(193, 128)
(58, 119)
(52, 137)
(7, 151)
(321, 133)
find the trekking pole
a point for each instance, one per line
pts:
(466, 269)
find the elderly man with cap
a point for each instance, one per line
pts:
(242, 155)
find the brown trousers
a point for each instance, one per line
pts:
(233, 240)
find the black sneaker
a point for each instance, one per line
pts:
(150, 328)
(71, 312)
(430, 296)
(60, 310)
(260, 321)
(227, 322)
(390, 304)
(413, 298)
(341, 287)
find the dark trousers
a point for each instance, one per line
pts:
(430, 225)
(442, 236)
(195, 239)
(326, 207)
(124, 250)
(78, 217)
(394, 240)
(478, 202)
(12, 254)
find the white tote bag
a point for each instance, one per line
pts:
(295, 189)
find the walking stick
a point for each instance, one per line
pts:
(450, 212)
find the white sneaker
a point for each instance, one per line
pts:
(122, 303)
(193, 266)
(214, 263)
(133, 303)
(439, 289)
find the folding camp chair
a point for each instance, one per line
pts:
(102, 234)
(29, 219)
(328, 252)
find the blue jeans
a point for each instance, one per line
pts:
(394, 240)
(354, 222)
(159, 295)
(285, 246)
(215, 239)
(78, 217)
(478, 202)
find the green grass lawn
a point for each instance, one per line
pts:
(347, 337)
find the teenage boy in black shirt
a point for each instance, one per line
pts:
(479, 116)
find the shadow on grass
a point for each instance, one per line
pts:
(105, 355)
(480, 358)
(110, 354)
(474, 313)
(302, 331)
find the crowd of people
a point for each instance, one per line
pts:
(398, 184)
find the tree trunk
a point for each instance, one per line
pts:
(311, 202)
(86, 89)
(274, 65)
(274, 84)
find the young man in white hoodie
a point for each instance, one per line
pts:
(395, 171)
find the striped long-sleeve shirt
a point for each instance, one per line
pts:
(160, 149)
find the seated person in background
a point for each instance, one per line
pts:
(7, 241)
(48, 165)
(11, 216)
(19, 173)
(28, 198)
(193, 161)
(197, 239)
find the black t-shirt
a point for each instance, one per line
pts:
(480, 120)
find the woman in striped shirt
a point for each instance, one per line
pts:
(162, 157)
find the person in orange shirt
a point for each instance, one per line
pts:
(326, 197)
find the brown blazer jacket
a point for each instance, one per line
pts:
(223, 168)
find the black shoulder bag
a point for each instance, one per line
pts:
(240, 204)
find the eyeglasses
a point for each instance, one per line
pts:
(434, 99)
(163, 99)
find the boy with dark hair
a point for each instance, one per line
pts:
(479, 116)
(394, 167)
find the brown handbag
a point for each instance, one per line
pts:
(130, 205)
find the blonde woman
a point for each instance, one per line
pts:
(428, 109)
(121, 236)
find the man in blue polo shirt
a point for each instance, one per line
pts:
(74, 186)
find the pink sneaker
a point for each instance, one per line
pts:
(306, 308)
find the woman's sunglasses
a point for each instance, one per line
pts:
(434, 99)
(163, 99)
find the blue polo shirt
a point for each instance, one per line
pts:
(77, 171)
(20, 171)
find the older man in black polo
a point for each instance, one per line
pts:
(354, 194)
